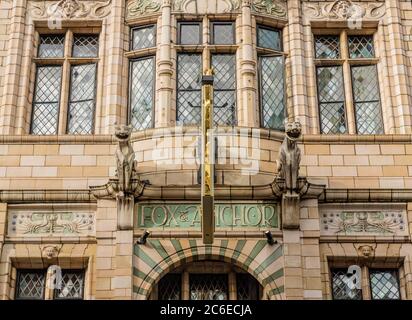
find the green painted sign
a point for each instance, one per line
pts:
(187, 216)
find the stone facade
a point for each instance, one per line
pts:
(60, 200)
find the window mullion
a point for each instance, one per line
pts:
(366, 289)
(347, 80)
(185, 286)
(64, 100)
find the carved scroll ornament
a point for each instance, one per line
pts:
(137, 8)
(271, 7)
(69, 9)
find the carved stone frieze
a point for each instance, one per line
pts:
(363, 222)
(51, 223)
(69, 9)
(137, 8)
(203, 7)
(274, 8)
(344, 10)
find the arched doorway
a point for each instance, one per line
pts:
(207, 280)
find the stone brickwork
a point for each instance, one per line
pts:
(57, 202)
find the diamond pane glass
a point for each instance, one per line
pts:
(51, 46)
(272, 92)
(82, 99)
(30, 284)
(189, 95)
(361, 47)
(341, 291)
(189, 33)
(247, 287)
(72, 285)
(384, 284)
(144, 37)
(327, 47)
(46, 100)
(170, 287)
(331, 99)
(269, 38)
(85, 46)
(223, 33)
(367, 100)
(208, 287)
(141, 93)
(224, 104)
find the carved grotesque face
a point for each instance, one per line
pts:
(342, 9)
(69, 7)
(293, 130)
(123, 132)
(366, 251)
(50, 252)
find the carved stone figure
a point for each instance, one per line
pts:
(125, 159)
(365, 251)
(289, 156)
(50, 251)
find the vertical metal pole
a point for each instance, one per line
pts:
(208, 159)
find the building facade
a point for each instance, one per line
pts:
(117, 208)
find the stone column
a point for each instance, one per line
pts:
(115, 102)
(248, 110)
(122, 283)
(4, 265)
(400, 79)
(292, 254)
(163, 114)
(299, 109)
(9, 95)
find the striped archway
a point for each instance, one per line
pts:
(158, 257)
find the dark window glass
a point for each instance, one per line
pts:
(72, 285)
(189, 77)
(30, 284)
(144, 37)
(82, 99)
(46, 100)
(361, 47)
(141, 93)
(384, 284)
(224, 101)
(272, 95)
(51, 46)
(247, 287)
(223, 33)
(170, 287)
(85, 46)
(189, 33)
(208, 287)
(327, 47)
(340, 288)
(367, 100)
(269, 38)
(331, 99)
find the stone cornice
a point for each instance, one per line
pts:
(366, 195)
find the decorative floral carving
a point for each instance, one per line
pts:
(270, 7)
(229, 5)
(69, 9)
(51, 223)
(344, 10)
(50, 251)
(363, 222)
(138, 8)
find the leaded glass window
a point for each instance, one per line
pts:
(327, 47)
(30, 284)
(51, 46)
(189, 88)
(331, 99)
(209, 287)
(361, 47)
(272, 97)
(223, 33)
(72, 285)
(384, 284)
(46, 100)
(340, 288)
(224, 101)
(247, 287)
(269, 38)
(142, 85)
(85, 46)
(367, 100)
(82, 99)
(170, 287)
(189, 33)
(143, 37)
